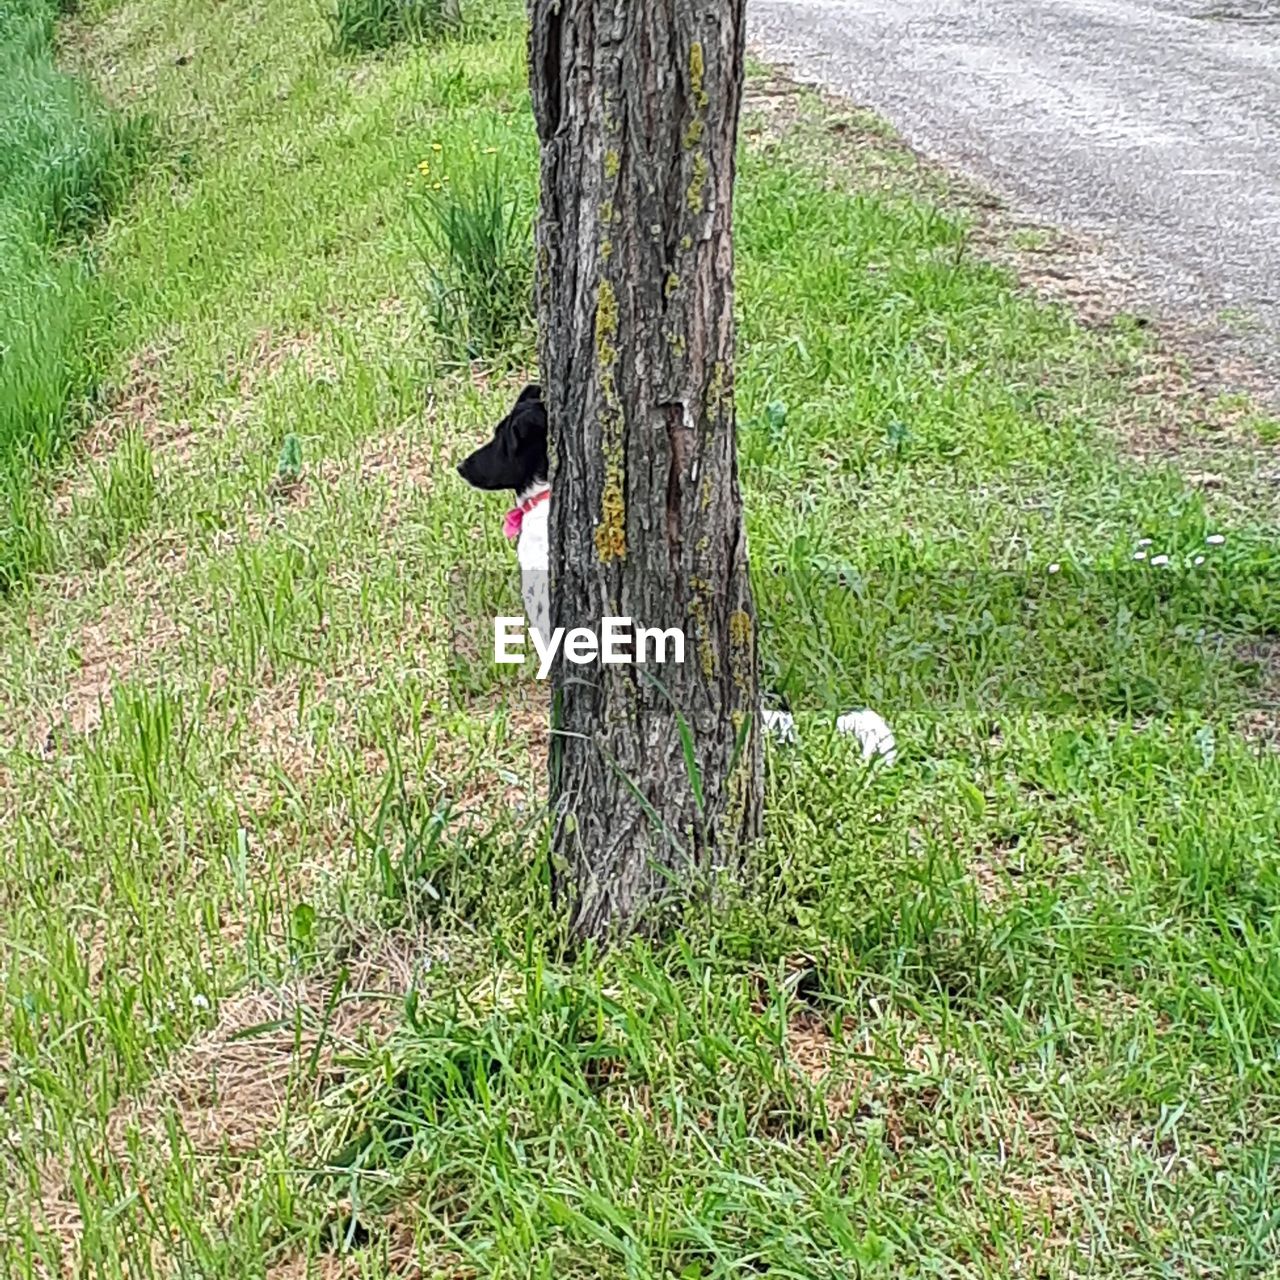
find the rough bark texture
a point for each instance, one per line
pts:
(637, 106)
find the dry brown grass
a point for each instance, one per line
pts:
(110, 648)
(395, 1251)
(268, 1057)
(988, 881)
(129, 633)
(136, 401)
(1261, 722)
(271, 351)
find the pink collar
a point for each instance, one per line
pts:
(512, 525)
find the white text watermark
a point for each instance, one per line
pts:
(617, 643)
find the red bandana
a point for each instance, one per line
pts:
(512, 525)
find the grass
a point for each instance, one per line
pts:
(282, 990)
(66, 163)
(476, 241)
(365, 26)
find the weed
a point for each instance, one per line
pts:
(289, 463)
(475, 238)
(365, 26)
(124, 492)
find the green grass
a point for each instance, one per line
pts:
(66, 162)
(281, 982)
(476, 241)
(364, 26)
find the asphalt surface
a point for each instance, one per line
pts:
(1153, 125)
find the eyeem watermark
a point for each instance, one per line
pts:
(617, 643)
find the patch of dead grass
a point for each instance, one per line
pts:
(128, 633)
(529, 716)
(136, 401)
(270, 351)
(269, 1055)
(858, 1080)
(1261, 723)
(393, 1250)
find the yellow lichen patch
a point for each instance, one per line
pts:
(612, 163)
(737, 790)
(706, 657)
(686, 242)
(693, 197)
(699, 591)
(606, 212)
(693, 134)
(673, 283)
(606, 249)
(715, 388)
(606, 324)
(741, 645)
(611, 534)
(697, 73)
(718, 403)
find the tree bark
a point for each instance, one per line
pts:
(637, 105)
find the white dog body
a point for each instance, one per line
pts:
(529, 522)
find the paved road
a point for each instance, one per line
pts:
(1155, 123)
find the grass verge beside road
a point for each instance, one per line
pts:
(280, 994)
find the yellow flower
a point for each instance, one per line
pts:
(424, 166)
(435, 186)
(435, 146)
(490, 151)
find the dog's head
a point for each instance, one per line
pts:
(516, 457)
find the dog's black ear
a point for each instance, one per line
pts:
(529, 423)
(532, 392)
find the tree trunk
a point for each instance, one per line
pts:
(656, 777)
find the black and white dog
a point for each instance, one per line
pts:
(516, 458)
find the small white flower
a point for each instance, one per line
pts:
(1216, 539)
(1144, 542)
(1055, 567)
(1139, 555)
(200, 1001)
(1159, 559)
(1198, 560)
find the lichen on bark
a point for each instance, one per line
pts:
(636, 103)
